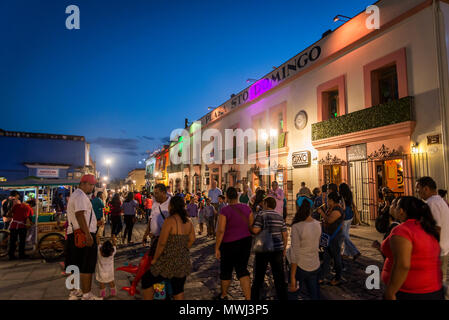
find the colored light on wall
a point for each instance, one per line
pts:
(260, 87)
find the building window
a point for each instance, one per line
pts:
(331, 99)
(280, 122)
(332, 103)
(385, 80)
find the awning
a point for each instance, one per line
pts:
(39, 182)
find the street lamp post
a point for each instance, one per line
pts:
(273, 135)
(108, 162)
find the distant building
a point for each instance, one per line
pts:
(136, 179)
(43, 155)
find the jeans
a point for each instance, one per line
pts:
(116, 225)
(333, 251)
(129, 225)
(210, 225)
(147, 215)
(194, 222)
(350, 248)
(310, 280)
(276, 260)
(14, 235)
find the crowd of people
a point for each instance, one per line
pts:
(415, 245)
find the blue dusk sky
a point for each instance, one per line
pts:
(136, 68)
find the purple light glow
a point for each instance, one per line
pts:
(260, 87)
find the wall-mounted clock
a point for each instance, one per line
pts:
(301, 120)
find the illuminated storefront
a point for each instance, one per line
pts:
(360, 106)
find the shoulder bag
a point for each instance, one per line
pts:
(263, 242)
(80, 237)
(326, 238)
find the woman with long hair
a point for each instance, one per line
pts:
(346, 193)
(171, 260)
(332, 225)
(412, 266)
(116, 218)
(129, 215)
(304, 252)
(256, 202)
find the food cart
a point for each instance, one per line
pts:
(47, 235)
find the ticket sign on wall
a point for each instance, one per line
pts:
(301, 159)
(47, 173)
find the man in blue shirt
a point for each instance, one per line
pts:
(98, 206)
(213, 194)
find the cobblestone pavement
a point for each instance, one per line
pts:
(36, 279)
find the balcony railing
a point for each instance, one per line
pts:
(377, 116)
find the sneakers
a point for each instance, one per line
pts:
(113, 292)
(103, 293)
(75, 295)
(90, 296)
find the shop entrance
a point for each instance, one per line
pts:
(396, 172)
(332, 174)
(390, 174)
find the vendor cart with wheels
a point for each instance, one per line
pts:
(47, 234)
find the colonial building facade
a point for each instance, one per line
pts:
(363, 106)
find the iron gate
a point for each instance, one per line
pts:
(364, 180)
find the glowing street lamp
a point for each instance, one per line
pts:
(108, 163)
(340, 17)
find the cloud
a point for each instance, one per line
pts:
(116, 143)
(148, 138)
(126, 153)
(165, 139)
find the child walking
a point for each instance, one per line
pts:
(104, 271)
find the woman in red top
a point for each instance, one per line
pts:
(412, 267)
(116, 215)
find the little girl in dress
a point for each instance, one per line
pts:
(104, 271)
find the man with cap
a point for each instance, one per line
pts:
(80, 215)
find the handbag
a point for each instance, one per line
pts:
(80, 236)
(160, 292)
(326, 239)
(263, 242)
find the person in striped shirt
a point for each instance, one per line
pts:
(271, 220)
